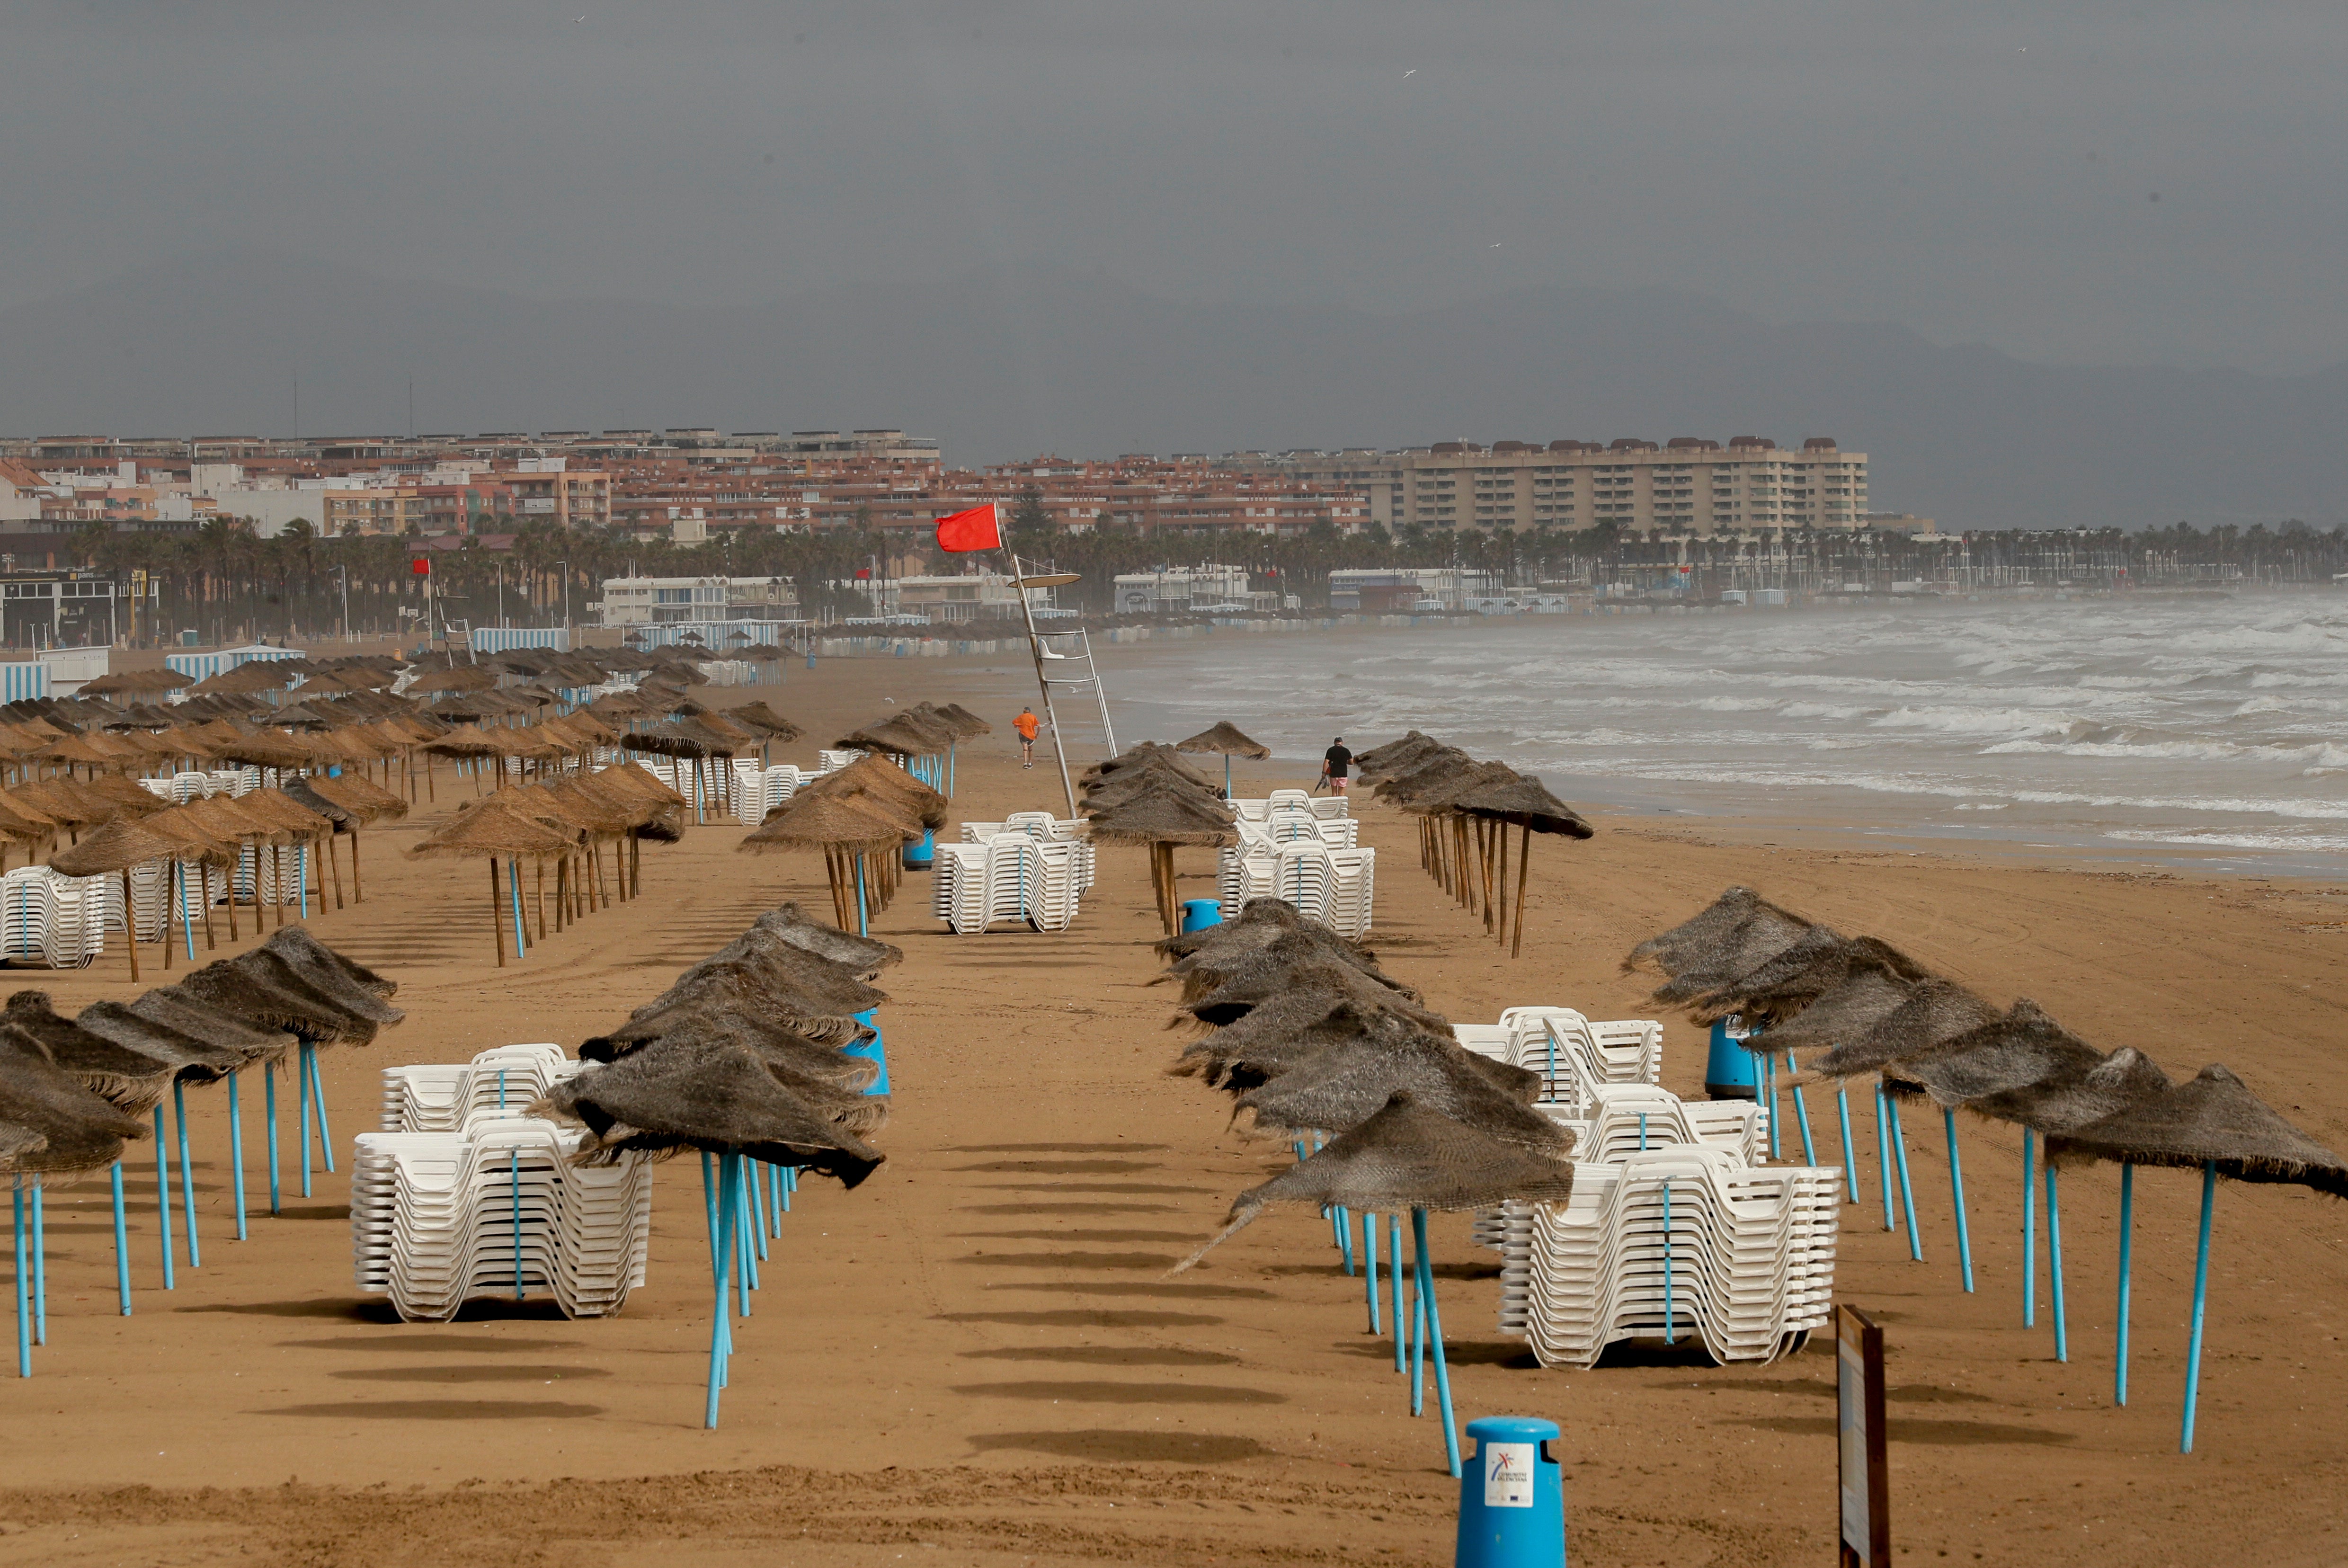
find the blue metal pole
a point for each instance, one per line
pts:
(513, 886)
(1435, 1334)
(1802, 1115)
(1907, 1187)
(1370, 1267)
(24, 1291)
(1670, 1334)
(749, 1276)
(121, 1241)
(863, 925)
(186, 1176)
(1417, 1332)
(1769, 1072)
(2055, 1263)
(163, 1196)
(1346, 1237)
(1849, 1160)
(2127, 1226)
(301, 879)
(1883, 1154)
(236, 1153)
(1957, 1190)
(318, 1105)
(2200, 1303)
(302, 1110)
(1394, 1276)
(2029, 1236)
(180, 875)
(722, 1251)
(269, 1109)
(758, 1185)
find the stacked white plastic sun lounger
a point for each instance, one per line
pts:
(1337, 887)
(181, 788)
(445, 1097)
(1012, 875)
(1325, 806)
(489, 1203)
(1034, 824)
(60, 921)
(1685, 1241)
(758, 790)
(1571, 1052)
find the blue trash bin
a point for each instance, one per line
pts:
(918, 857)
(874, 1050)
(1730, 1072)
(1198, 913)
(1512, 1496)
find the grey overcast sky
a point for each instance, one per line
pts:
(1980, 172)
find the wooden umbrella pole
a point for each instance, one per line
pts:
(636, 867)
(130, 924)
(278, 882)
(1483, 855)
(497, 923)
(204, 902)
(231, 888)
(561, 866)
(429, 796)
(1524, 850)
(335, 860)
(541, 901)
(356, 895)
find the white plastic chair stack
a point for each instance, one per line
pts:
(463, 1194)
(1568, 1050)
(757, 791)
(446, 1097)
(1040, 825)
(833, 761)
(498, 1209)
(1010, 876)
(1337, 887)
(1751, 1251)
(59, 920)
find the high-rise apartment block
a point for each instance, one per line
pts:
(1687, 484)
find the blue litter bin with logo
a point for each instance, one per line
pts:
(1730, 1072)
(1198, 913)
(920, 857)
(1512, 1496)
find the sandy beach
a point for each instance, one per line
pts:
(975, 1358)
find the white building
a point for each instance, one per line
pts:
(1176, 590)
(661, 601)
(1405, 588)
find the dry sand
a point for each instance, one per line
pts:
(975, 1358)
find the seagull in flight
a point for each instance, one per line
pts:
(1412, 72)
(576, 20)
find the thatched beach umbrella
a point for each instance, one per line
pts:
(847, 832)
(1225, 740)
(54, 1126)
(1161, 819)
(2216, 1123)
(494, 830)
(1520, 802)
(1408, 1157)
(137, 682)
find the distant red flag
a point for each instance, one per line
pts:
(421, 565)
(973, 530)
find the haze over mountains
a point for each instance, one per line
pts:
(1007, 363)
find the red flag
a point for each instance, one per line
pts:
(421, 565)
(973, 529)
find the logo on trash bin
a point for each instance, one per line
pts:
(1507, 1475)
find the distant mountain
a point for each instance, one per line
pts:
(1003, 364)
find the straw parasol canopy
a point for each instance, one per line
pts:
(452, 678)
(870, 776)
(1380, 760)
(1162, 819)
(128, 1079)
(1291, 1029)
(970, 723)
(719, 1098)
(899, 735)
(2067, 1102)
(1405, 1157)
(192, 1060)
(2023, 1048)
(137, 682)
(116, 846)
(764, 720)
(265, 749)
(1522, 802)
(173, 1008)
(828, 822)
(493, 828)
(1813, 965)
(249, 679)
(81, 1130)
(1254, 986)
(1346, 1083)
(1933, 1012)
(2214, 1121)
(1224, 740)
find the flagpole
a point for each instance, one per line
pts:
(1036, 652)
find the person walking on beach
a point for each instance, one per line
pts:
(1026, 725)
(1334, 763)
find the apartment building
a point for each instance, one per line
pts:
(1174, 590)
(661, 601)
(1686, 484)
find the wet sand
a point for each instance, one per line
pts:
(975, 1358)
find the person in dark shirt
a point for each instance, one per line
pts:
(1335, 764)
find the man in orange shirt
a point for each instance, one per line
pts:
(1026, 725)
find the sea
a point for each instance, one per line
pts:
(2209, 731)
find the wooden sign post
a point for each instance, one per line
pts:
(1864, 1472)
